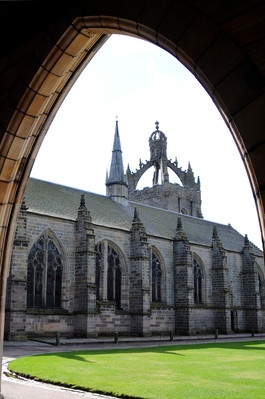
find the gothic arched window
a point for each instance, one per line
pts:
(156, 279)
(112, 268)
(197, 273)
(114, 277)
(44, 277)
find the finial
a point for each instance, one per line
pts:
(215, 234)
(116, 118)
(157, 125)
(136, 216)
(246, 240)
(82, 202)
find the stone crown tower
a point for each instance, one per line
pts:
(182, 198)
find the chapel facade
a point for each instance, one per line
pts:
(134, 262)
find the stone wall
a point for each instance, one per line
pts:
(171, 197)
(227, 277)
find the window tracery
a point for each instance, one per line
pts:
(44, 274)
(197, 274)
(113, 270)
(156, 278)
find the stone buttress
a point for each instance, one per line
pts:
(220, 286)
(251, 295)
(85, 286)
(184, 287)
(16, 301)
(139, 278)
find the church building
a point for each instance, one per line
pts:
(133, 262)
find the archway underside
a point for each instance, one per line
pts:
(221, 43)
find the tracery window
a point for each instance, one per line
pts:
(113, 272)
(156, 278)
(197, 273)
(44, 275)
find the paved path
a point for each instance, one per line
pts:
(19, 388)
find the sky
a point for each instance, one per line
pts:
(138, 83)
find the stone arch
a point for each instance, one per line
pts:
(40, 64)
(59, 245)
(45, 235)
(119, 252)
(54, 236)
(55, 74)
(124, 271)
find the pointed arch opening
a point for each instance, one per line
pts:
(198, 280)
(110, 272)
(157, 276)
(44, 273)
(35, 102)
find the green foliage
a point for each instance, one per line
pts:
(214, 371)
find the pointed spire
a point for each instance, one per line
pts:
(116, 181)
(116, 173)
(117, 143)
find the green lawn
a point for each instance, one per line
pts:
(215, 371)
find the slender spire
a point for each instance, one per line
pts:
(116, 181)
(116, 174)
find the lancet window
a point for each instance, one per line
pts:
(197, 274)
(44, 274)
(156, 278)
(108, 270)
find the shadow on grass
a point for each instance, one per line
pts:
(169, 349)
(173, 349)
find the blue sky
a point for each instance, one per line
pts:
(139, 83)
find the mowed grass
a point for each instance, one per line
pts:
(215, 371)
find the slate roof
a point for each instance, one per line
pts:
(53, 199)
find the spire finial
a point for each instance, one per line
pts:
(82, 202)
(246, 240)
(157, 125)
